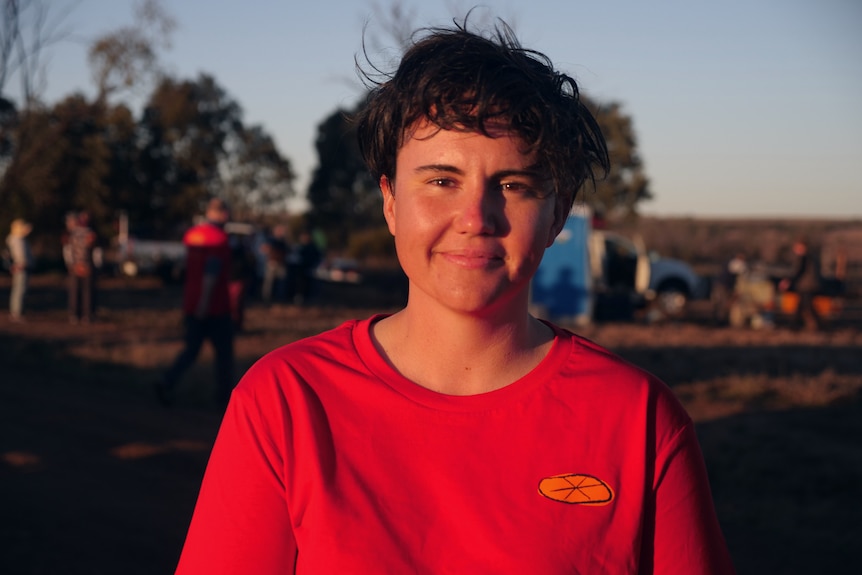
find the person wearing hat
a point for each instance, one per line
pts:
(22, 260)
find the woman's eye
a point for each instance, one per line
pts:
(523, 189)
(517, 188)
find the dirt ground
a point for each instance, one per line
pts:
(98, 478)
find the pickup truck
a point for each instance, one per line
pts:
(593, 274)
(667, 282)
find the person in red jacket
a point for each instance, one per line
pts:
(206, 304)
(460, 434)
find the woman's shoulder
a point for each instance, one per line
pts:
(315, 346)
(327, 352)
(592, 368)
(586, 354)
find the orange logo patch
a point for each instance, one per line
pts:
(576, 489)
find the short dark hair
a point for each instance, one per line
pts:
(217, 204)
(461, 80)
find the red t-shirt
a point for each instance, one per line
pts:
(328, 459)
(207, 254)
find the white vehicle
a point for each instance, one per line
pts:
(138, 256)
(344, 270)
(671, 283)
(587, 270)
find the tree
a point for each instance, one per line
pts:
(128, 57)
(83, 168)
(8, 124)
(27, 28)
(344, 200)
(618, 195)
(257, 178)
(194, 145)
(29, 180)
(189, 144)
(183, 130)
(62, 161)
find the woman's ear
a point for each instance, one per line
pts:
(387, 188)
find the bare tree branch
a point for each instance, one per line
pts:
(128, 57)
(27, 30)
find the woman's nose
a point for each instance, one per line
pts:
(478, 210)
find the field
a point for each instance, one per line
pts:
(98, 478)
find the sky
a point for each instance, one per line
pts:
(740, 107)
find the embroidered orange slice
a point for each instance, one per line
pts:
(576, 489)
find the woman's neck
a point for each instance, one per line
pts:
(459, 354)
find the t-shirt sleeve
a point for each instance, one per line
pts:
(241, 522)
(687, 538)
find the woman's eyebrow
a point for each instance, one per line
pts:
(533, 171)
(529, 172)
(439, 168)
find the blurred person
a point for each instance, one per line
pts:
(70, 221)
(206, 304)
(242, 276)
(275, 272)
(21, 261)
(722, 293)
(460, 434)
(805, 281)
(80, 248)
(736, 267)
(319, 238)
(308, 258)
